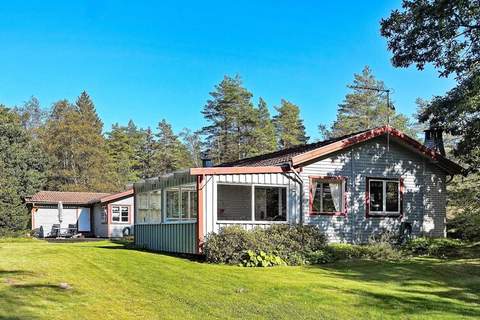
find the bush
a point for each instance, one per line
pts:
(465, 226)
(290, 243)
(262, 259)
(435, 247)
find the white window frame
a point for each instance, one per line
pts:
(252, 216)
(186, 188)
(120, 206)
(384, 198)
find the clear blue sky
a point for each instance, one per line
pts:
(146, 60)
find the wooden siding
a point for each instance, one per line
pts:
(168, 237)
(372, 159)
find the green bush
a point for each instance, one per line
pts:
(465, 226)
(290, 243)
(261, 259)
(435, 247)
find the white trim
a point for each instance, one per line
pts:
(384, 197)
(253, 185)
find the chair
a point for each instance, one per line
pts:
(55, 232)
(72, 230)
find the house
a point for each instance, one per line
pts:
(103, 215)
(352, 188)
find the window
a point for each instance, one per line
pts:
(327, 196)
(120, 214)
(103, 215)
(383, 197)
(181, 203)
(235, 203)
(142, 208)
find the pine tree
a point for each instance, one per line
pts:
(232, 118)
(289, 127)
(147, 154)
(364, 109)
(123, 144)
(22, 170)
(72, 138)
(264, 134)
(170, 154)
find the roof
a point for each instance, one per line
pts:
(78, 198)
(300, 155)
(284, 156)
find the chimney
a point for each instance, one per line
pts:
(206, 160)
(434, 140)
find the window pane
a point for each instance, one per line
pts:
(115, 214)
(328, 205)
(317, 196)
(234, 202)
(172, 203)
(185, 208)
(392, 196)
(270, 204)
(193, 204)
(124, 213)
(376, 195)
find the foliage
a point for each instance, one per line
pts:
(289, 126)
(440, 248)
(231, 121)
(290, 243)
(73, 140)
(264, 134)
(463, 220)
(446, 34)
(124, 147)
(261, 259)
(383, 251)
(364, 109)
(21, 171)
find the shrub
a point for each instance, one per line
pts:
(290, 243)
(261, 259)
(465, 226)
(435, 247)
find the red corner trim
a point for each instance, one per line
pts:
(328, 178)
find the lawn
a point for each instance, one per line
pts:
(108, 281)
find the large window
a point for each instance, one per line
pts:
(383, 197)
(120, 214)
(235, 203)
(327, 196)
(181, 203)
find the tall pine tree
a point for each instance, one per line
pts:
(365, 109)
(73, 140)
(264, 132)
(231, 121)
(289, 126)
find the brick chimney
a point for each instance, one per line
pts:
(434, 140)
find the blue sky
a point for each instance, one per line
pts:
(148, 60)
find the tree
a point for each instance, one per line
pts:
(73, 140)
(446, 34)
(22, 170)
(289, 127)
(170, 154)
(32, 116)
(231, 119)
(124, 147)
(264, 134)
(192, 142)
(147, 154)
(364, 109)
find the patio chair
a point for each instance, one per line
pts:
(55, 232)
(72, 230)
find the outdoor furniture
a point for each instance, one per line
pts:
(55, 232)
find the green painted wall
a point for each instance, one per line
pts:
(170, 237)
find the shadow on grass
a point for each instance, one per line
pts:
(21, 298)
(417, 286)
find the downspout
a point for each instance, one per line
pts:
(300, 183)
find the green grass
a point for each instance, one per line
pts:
(111, 282)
